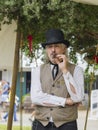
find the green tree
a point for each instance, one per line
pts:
(79, 22)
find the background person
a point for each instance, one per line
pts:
(15, 108)
(5, 90)
(56, 87)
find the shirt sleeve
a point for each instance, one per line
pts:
(77, 81)
(37, 95)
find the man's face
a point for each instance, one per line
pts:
(53, 50)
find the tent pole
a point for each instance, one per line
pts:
(14, 78)
(92, 77)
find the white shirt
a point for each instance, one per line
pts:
(38, 97)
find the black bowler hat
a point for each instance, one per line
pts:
(54, 36)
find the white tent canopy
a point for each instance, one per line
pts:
(7, 45)
(92, 2)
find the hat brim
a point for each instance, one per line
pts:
(65, 42)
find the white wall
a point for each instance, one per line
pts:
(7, 45)
(7, 75)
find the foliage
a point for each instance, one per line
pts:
(24, 97)
(79, 22)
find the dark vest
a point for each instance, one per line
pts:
(57, 87)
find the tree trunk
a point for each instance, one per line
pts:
(14, 77)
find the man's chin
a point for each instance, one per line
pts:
(53, 61)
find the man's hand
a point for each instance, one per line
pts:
(69, 101)
(62, 61)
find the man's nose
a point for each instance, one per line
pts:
(53, 48)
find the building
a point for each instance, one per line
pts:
(7, 49)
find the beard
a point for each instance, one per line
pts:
(53, 55)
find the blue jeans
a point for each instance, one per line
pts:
(15, 110)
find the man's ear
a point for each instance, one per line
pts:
(64, 50)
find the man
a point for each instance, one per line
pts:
(5, 90)
(56, 96)
(15, 107)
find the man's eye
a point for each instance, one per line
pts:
(57, 46)
(49, 46)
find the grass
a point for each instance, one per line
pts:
(23, 97)
(4, 127)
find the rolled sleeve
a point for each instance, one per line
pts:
(38, 97)
(77, 81)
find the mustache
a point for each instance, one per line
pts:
(54, 55)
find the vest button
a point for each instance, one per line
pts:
(52, 93)
(51, 109)
(47, 118)
(53, 85)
